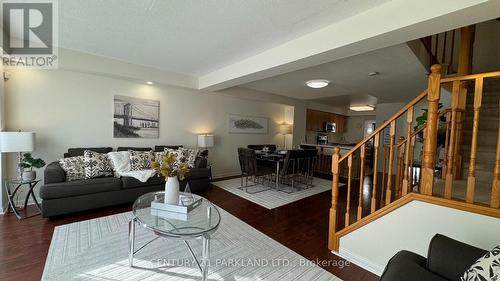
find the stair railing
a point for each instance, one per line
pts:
(457, 87)
(385, 133)
(398, 178)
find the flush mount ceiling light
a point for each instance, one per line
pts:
(362, 107)
(149, 83)
(317, 83)
(373, 73)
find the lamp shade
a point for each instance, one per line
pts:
(17, 141)
(285, 129)
(205, 140)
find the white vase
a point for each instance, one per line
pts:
(172, 191)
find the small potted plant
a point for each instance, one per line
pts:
(172, 170)
(28, 162)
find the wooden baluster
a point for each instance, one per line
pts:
(388, 192)
(446, 141)
(412, 158)
(430, 142)
(471, 179)
(384, 172)
(376, 143)
(361, 181)
(495, 188)
(332, 242)
(451, 154)
(399, 167)
(348, 204)
(409, 128)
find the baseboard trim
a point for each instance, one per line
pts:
(360, 261)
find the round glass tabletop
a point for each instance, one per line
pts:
(203, 219)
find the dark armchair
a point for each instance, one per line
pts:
(447, 259)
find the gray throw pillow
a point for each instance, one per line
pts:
(486, 268)
(141, 160)
(96, 164)
(73, 167)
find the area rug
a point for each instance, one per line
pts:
(97, 250)
(272, 198)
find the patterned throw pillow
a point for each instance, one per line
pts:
(141, 160)
(73, 167)
(486, 268)
(96, 164)
(180, 155)
(159, 156)
(191, 154)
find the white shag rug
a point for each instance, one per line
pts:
(97, 249)
(272, 198)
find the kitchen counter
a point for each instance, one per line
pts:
(323, 163)
(347, 146)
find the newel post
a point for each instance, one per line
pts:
(332, 242)
(430, 142)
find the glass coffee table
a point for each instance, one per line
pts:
(200, 222)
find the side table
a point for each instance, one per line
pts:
(11, 193)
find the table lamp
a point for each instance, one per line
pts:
(17, 142)
(285, 129)
(205, 140)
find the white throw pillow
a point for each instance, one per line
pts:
(120, 161)
(486, 268)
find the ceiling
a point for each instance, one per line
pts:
(193, 37)
(401, 76)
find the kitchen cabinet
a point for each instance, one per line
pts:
(315, 120)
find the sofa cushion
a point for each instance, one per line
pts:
(160, 148)
(451, 258)
(72, 152)
(79, 187)
(129, 182)
(408, 266)
(96, 164)
(126, 148)
(198, 173)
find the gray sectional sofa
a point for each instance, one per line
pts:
(62, 197)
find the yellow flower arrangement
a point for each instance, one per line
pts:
(167, 167)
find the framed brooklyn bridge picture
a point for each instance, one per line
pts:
(136, 118)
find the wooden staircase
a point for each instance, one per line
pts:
(471, 163)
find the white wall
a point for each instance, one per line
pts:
(355, 127)
(74, 109)
(3, 195)
(486, 49)
(411, 227)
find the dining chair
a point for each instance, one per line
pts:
(290, 173)
(251, 169)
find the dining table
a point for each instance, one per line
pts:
(275, 157)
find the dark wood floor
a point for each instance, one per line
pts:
(301, 226)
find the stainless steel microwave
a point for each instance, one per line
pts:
(331, 127)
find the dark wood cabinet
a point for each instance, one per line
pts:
(315, 120)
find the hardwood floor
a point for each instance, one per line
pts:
(301, 226)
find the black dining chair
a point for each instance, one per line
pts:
(250, 168)
(307, 166)
(290, 173)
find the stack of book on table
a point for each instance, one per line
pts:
(180, 211)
